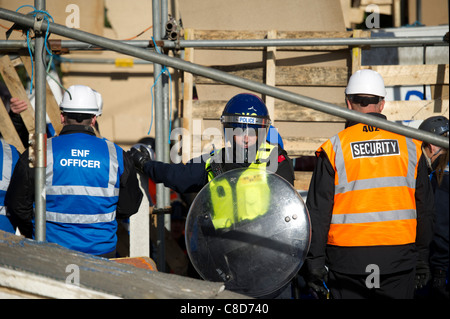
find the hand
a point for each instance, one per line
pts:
(140, 157)
(438, 285)
(422, 274)
(17, 105)
(316, 280)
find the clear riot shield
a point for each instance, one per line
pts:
(250, 229)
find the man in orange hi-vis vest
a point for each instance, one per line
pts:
(371, 207)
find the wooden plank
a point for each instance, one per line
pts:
(8, 130)
(258, 35)
(377, 2)
(188, 91)
(16, 89)
(56, 272)
(302, 146)
(312, 76)
(286, 75)
(357, 51)
(397, 13)
(302, 180)
(313, 35)
(261, 34)
(427, 74)
(270, 76)
(52, 107)
(415, 110)
(284, 111)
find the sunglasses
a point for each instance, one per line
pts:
(364, 100)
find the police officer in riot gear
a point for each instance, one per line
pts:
(246, 123)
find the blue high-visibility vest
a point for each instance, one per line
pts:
(8, 160)
(82, 189)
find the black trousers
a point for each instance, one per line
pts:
(398, 285)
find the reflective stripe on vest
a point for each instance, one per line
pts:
(373, 209)
(7, 168)
(110, 191)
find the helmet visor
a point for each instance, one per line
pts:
(245, 120)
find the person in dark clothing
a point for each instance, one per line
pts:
(437, 160)
(90, 182)
(371, 207)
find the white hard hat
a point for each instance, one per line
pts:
(366, 82)
(81, 99)
(99, 103)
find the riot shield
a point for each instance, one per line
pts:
(250, 229)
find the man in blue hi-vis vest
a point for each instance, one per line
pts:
(8, 159)
(90, 182)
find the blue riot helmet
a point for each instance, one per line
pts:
(245, 121)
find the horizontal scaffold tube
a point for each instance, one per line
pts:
(248, 43)
(224, 77)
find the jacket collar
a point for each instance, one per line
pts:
(351, 123)
(70, 129)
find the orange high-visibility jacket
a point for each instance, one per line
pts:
(375, 180)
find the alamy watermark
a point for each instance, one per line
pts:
(74, 275)
(203, 142)
(73, 19)
(373, 19)
(373, 279)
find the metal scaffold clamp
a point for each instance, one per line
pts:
(38, 20)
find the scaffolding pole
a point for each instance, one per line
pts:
(40, 128)
(159, 139)
(228, 79)
(240, 43)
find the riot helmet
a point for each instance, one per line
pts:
(436, 124)
(245, 120)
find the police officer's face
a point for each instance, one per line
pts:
(246, 139)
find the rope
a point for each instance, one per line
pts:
(47, 17)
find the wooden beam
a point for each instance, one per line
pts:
(8, 130)
(302, 180)
(427, 74)
(287, 75)
(52, 107)
(414, 110)
(312, 76)
(284, 111)
(188, 90)
(302, 146)
(257, 35)
(357, 51)
(16, 89)
(270, 75)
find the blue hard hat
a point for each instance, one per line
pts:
(245, 109)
